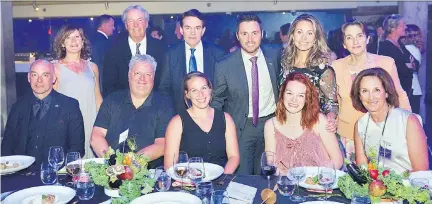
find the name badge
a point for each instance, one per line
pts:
(385, 150)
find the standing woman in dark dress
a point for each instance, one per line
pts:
(394, 29)
(201, 130)
(307, 52)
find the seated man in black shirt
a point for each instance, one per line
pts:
(137, 112)
(43, 118)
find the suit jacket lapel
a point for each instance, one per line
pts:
(271, 63)
(207, 61)
(126, 50)
(239, 68)
(24, 125)
(54, 110)
(181, 60)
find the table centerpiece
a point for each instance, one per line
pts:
(380, 184)
(125, 171)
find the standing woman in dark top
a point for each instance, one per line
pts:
(307, 52)
(202, 131)
(394, 28)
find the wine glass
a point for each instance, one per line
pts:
(180, 165)
(298, 172)
(56, 158)
(268, 166)
(326, 178)
(286, 186)
(73, 165)
(196, 169)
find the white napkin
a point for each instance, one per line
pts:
(241, 193)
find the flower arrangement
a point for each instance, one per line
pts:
(125, 171)
(379, 184)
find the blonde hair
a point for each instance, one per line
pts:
(318, 54)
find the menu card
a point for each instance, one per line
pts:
(241, 193)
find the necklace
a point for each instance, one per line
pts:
(382, 132)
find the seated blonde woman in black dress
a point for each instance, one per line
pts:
(202, 131)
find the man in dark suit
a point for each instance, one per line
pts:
(136, 41)
(43, 118)
(190, 55)
(246, 87)
(100, 42)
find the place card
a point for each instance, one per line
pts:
(241, 193)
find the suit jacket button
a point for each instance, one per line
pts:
(246, 115)
(241, 129)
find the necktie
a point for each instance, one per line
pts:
(137, 49)
(255, 90)
(192, 61)
(39, 111)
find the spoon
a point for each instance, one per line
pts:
(221, 182)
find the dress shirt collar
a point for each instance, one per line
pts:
(46, 100)
(247, 56)
(102, 33)
(143, 46)
(198, 47)
(147, 103)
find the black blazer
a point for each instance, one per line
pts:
(174, 70)
(99, 45)
(230, 90)
(65, 126)
(116, 62)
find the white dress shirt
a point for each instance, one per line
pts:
(267, 104)
(142, 48)
(199, 56)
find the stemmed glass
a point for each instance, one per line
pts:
(56, 158)
(163, 181)
(73, 165)
(326, 177)
(268, 166)
(180, 165)
(298, 172)
(196, 169)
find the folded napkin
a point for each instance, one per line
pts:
(240, 193)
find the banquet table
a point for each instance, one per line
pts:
(19, 181)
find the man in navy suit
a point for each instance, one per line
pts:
(126, 45)
(100, 42)
(43, 118)
(191, 55)
(246, 87)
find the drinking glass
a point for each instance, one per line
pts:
(180, 165)
(286, 186)
(196, 169)
(204, 191)
(56, 158)
(163, 181)
(219, 197)
(73, 165)
(85, 187)
(298, 172)
(48, 174)
(383, 154)
(326, 178)
(268, 166)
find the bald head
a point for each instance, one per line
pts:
(41, 77)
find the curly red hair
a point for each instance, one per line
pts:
(310, 111)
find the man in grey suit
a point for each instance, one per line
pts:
(245, 86)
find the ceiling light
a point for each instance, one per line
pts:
(30, 20)
(91, 18)
(35, 7)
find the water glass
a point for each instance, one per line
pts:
(358, 198)
(219, 197)
(48, 173)
(297, 172)
(204, 191)
(56, 158)
(163, 181)
(326, 178)
(85, 187)
(196, 169)
(286, 186)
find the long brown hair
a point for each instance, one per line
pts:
(310, 111)
(63, 33)
(319, 52)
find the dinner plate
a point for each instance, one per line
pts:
(167, 198)
(62, 195)
(97, 160)
(212, 172)
(312, 171)
(22, 161)
(423, 175)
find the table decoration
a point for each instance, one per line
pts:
(380, 184)
(123, 171)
